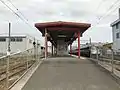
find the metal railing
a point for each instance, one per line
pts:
(108, 59)
(13, 66)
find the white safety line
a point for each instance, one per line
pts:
(77, 57)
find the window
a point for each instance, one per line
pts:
(19, 39)
(117, 26)
(118, 53)
(30, 41)
(117, 35)
(12, 39)
(2, 39)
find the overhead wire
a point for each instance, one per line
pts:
(112, 6)
(99, 19)
(24, 20)
(17, 9)
(108, 12)
(99, 5)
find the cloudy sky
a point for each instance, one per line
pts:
(89, 11)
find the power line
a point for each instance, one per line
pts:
(17, 9)
(109, 9)
(8, 7)
(99, 5)
(114, 9)
(113, 5)
(24, 20)
(108, 13)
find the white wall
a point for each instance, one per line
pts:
(3, 47)
(15, 46)
(18, 46)
(27, 43)
(116, 41)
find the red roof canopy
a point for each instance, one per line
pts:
(65, 28)
(60, 23)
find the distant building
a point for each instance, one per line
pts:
(18, 43)
(106, 49)
(108, 45)
(94, 46)
(116, 35)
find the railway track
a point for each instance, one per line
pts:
(15, 71)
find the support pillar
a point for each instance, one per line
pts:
(46, 46)
(70, 49)
(52, 49)
(78, 44)
(90, 48)
(55, 51)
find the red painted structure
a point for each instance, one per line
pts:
(71, 31)
(78, 44)
(46, 44)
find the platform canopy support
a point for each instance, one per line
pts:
(71, 49)
(52, 50)
(78, 44)
(46, 45)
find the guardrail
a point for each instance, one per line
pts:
(13, 66)
(108, 62)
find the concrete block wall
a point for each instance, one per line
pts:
(62, 48)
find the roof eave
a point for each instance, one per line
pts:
(115, 22)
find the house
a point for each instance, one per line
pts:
(108, 45)
(106, 49)
(17, 43)
(116, 35)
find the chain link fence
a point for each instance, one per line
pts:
(13, 66)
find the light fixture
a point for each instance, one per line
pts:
(62, 36)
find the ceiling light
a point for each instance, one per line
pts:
(62, 36)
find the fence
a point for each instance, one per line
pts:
(13, 66)
(108, 59)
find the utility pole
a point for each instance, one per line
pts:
(34, 44)
(8, 53)
(9, 37)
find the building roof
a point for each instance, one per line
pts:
(12, 35)
(108, 45)
(69, 26)
(115, 22)
(67, 30)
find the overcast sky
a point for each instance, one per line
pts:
(61, 10)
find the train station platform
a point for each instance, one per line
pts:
(69, 73)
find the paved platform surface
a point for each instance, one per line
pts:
(67, 73)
